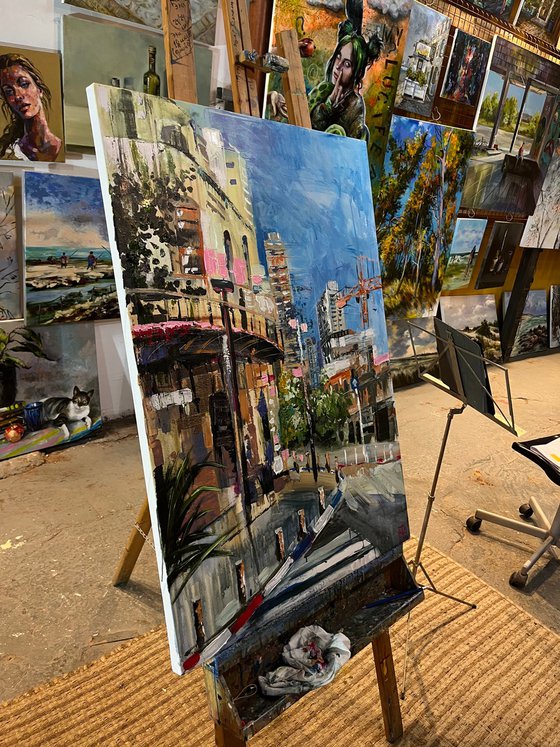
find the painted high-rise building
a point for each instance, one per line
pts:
(330, 318)
(281, 288)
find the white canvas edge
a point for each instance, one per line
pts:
(485, 81)
(176, 663)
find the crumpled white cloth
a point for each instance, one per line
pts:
(313, 657)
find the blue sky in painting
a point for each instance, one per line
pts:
(468, 233)
(314, 189)
(64, 211)
(535, 304)
(534, 103)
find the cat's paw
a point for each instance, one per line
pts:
(87, 421)
(65, 431)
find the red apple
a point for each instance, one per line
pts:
(14, 432)
(306, 47)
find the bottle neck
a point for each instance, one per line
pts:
(152, 63)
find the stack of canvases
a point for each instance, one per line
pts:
(60, 282)
(482, 145)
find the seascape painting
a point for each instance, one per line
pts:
(532, 333)
(475, 316)
(249, 281)
(10, 285)
(427, 36)
(416, 209)
(498, 254)
(466, 71)
(68, 269)
(351, 55)
(31, 126)
(505, 171)
(554, 316)
(56, 399)
(542, 230)
(467, 239)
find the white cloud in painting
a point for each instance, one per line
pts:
(47, 229)
(394, 8)
(400, 345)
(335, 5)
(468, 311)
(468, 233)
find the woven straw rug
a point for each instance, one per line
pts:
(486, 677)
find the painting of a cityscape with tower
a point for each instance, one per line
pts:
(249, 280)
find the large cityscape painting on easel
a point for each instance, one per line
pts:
(248, 274)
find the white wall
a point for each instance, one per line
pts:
(36, 23)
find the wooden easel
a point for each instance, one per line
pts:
(230, 729)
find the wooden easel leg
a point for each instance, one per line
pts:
(226, 738)
(133, 547)
(387, 683)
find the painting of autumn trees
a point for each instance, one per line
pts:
(416, 207)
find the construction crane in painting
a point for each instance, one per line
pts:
(367, 283)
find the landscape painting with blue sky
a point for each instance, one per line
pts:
(69, 274)
(467, 239)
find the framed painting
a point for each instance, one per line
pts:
(406, 358)
(68, 269)
(466, 71)
(416, 212)
(542, 230)
(426, 40)
(31, 113)
(10, 278)
(498, 253)
(248, 277)
(465, 246)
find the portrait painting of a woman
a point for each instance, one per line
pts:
(29, 125)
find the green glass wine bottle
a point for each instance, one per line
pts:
(151, 78)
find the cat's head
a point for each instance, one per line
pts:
(81, 398)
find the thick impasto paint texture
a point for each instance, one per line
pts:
(416, 210)
(10, 286)
(351, 56)
(250, 281)
(543, 227)
(68, 270)
(422, 62)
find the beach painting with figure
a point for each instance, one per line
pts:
(68, 269)
(31, 126)
(498, 254)
(477, 317)
(416, 211)
(427, 36)
(258, 348)
(351, 55)
(532, 333)
(56, 398)
(10, 284)
(467, 239)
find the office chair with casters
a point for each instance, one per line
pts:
(547, 531)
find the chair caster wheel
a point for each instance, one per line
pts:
(525, 511)
(473, 524)
(518, 579)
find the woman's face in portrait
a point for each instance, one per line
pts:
(343, 68)
(22, 94)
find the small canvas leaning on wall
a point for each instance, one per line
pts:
(10, 284)
(248, 275)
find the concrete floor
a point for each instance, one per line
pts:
(64, 519)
